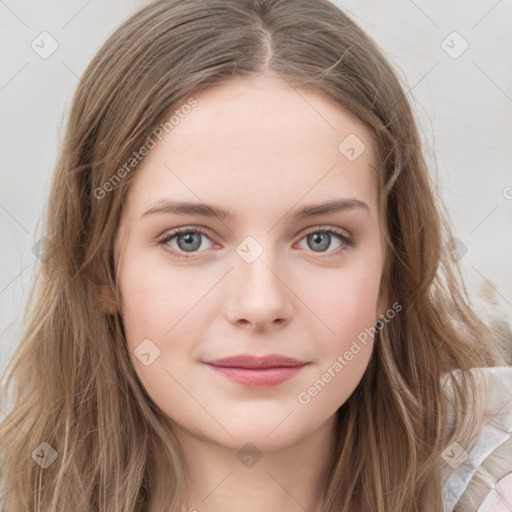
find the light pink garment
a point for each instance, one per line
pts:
(462, 464)
(500, 498)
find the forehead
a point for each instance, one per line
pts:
(258, 142)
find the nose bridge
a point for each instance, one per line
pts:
(255, 259)
(258, 294)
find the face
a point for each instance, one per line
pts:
(257, 269)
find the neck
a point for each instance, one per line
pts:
(287, 479)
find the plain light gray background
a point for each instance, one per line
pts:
(463, 102)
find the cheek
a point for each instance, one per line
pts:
(154, 312)
(147, 298)
(162, 304)
(347, 299)
(349, 309)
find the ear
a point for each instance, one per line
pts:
(107, 299)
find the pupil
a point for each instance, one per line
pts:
(321, 240)
(190, 243)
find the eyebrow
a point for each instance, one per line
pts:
(208, 210)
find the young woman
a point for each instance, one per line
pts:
(244, 302)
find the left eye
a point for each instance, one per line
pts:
(190, 240)
(321, 240)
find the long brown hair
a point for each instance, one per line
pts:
(76, 397)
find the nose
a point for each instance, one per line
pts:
(258, 295)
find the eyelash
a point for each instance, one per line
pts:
(319, 229)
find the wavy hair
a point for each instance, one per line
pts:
(74, 387)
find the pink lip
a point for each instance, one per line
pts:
(258, 372)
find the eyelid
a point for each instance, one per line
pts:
(325, 227)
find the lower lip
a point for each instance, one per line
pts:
(258, 378)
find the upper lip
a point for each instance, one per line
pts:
(250, 361)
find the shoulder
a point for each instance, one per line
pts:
(482, 475)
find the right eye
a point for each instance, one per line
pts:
(188, 240)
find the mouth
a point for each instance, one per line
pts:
(257, 372)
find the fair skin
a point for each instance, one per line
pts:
(260, 150)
